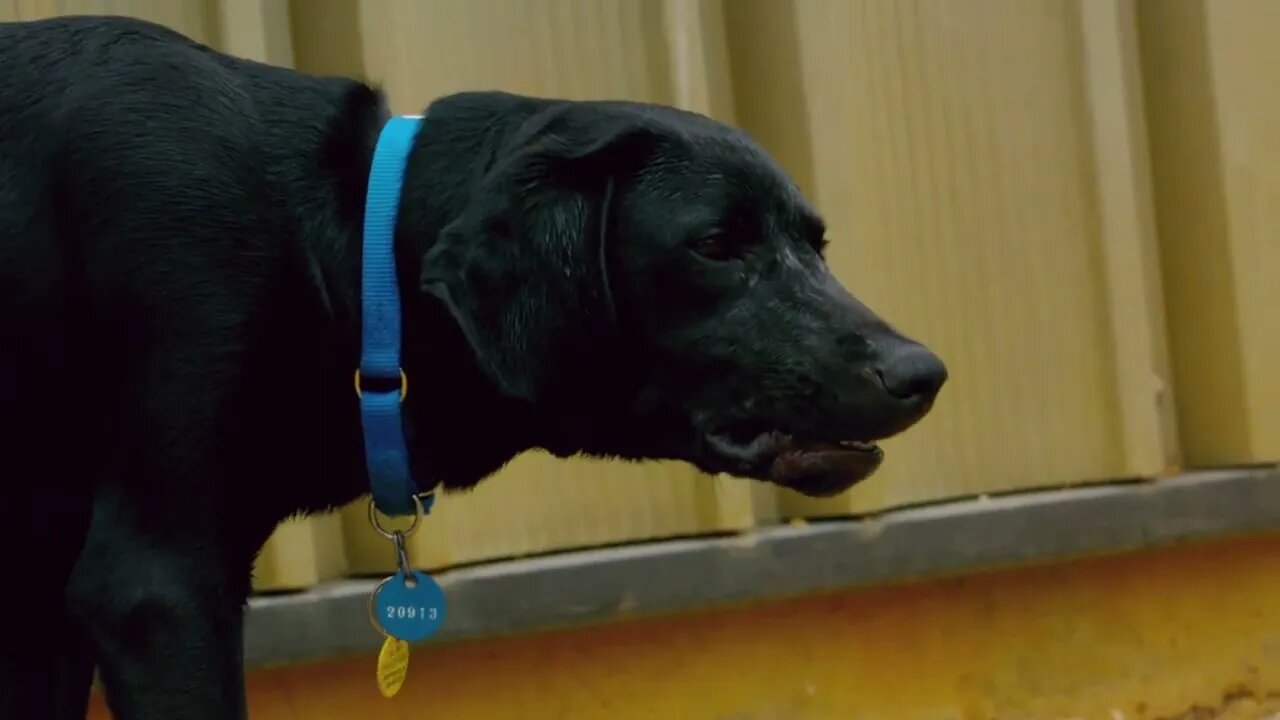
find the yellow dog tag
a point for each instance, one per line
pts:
(393, 663)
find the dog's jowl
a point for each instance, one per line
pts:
(180, 314)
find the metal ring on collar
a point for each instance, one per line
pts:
(391, 534)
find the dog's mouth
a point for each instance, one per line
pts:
(814, 467)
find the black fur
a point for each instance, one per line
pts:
(179, 324)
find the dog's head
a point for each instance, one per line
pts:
(651, 285)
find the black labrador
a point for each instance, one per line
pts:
(180, 237)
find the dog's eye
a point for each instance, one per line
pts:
(714, 245)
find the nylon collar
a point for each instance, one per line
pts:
(380, 381)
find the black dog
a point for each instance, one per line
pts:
(179, 323)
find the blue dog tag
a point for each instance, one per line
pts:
(410, 608)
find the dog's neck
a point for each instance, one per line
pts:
(461, 427)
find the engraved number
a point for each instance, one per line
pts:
(410, 612)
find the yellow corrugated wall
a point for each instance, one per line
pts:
(1215, 137)
(1066, 199)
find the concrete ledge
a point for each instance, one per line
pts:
(776, 562)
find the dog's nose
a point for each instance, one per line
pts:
(911, 372)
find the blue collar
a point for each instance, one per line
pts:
(380, 381)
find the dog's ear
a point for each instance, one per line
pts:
(523, 268)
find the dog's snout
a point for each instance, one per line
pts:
(912, 372)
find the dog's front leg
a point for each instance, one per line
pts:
(164, 611)
(46, 668)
